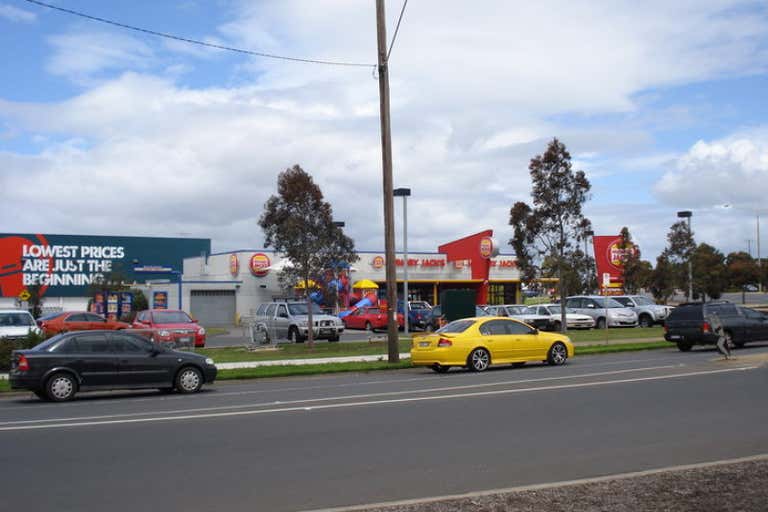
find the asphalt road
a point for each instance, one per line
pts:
(312, 443)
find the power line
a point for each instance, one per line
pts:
(194, 41)
(394, 36)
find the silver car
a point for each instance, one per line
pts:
(573, 320)
(521, 312)
(648, 312)
(605, 310)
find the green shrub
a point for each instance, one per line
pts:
(7, 347)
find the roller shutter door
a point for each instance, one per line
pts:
(213, 307)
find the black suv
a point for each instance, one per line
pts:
(687, 324)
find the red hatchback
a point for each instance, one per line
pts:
(77, 321)
(171, 326)
(370, 319)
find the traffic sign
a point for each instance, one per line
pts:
(24, 295)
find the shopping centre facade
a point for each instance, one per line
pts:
(220, 288)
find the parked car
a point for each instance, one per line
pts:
(436, 321)
(70, 362)
(77, 321)
(687, 324)
(648, 312)
(419, 313)
(17, 324)
(370, 319)
(572, 320)
(605, 310)
(286, 319)
(476, 343)
(170, 326)
(521, 312)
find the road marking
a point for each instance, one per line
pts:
(548, 485)
(334, 398)
(366, 403)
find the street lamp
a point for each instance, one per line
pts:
(687, 214)
(404, 193)
(588, 233)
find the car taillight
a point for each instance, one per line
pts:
(444, 342)
(705, 327)
(22, 364)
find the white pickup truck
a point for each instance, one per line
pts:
(289, 320)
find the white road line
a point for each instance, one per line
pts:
(332, 398)
(366, 403)
(548, 485)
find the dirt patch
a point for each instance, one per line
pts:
(733, 487)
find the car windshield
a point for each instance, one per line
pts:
(517, 310)
(16, 319)
(45, 345)
(301, 309)
(171, 317)
(607, 302)
(419, 305)
(555, 310)
(527, 311)
(456, 326)
(644, 301)
(50, 316)
(480, 311)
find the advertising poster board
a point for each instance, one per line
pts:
(160, 300)
(609, 260)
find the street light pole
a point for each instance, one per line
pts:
(404, 193)
(339, 224)
(588, 233)
(687, 214)
(759, 264)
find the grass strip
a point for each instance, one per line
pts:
(309, 369)
(622, 347)
(300, 351)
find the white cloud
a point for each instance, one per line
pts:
(476, 92)
(15, 14)
(80, 55)
(733, 170)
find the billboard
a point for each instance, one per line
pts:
(609, 260)
(66, 265)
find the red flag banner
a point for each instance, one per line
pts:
(609, 257)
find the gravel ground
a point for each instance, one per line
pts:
(740, 486)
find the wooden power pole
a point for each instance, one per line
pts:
(393, 348)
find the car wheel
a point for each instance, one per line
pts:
(479, 360)
(557, 354)
(61, 387)
(684, 346)
(600, 323)
(294, 336)
(440, 368)
(189, 380)
(369, 327)
(646, 321)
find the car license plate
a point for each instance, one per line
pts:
(423, 343)
(185, 339)
(675, 337)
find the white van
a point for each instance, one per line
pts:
(16, 324)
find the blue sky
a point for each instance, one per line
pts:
(106, 130)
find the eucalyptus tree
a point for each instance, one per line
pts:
(298, 223)
(550, 229)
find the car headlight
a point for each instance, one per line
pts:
(209, 361)
(201, 332)
(164, 333)
(339, 322)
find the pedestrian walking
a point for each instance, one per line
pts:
(717, 328)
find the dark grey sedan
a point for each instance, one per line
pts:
(61, 366)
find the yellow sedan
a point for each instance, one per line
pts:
(476, 343)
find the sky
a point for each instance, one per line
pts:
(108, 131)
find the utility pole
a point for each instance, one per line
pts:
(389, 200)
(759, 264)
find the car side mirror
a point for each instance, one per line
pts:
(535, 331)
